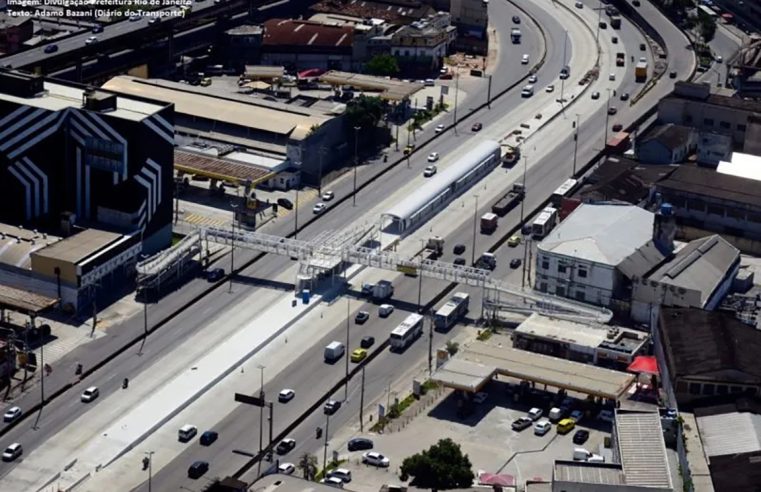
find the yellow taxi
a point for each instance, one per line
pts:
(514, 241)
(358, 355)
(565, 426)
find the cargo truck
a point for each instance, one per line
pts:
(334, 351)
(434, 248)
(383, 290)
(640, 71)
(489, 223)
(509, 200)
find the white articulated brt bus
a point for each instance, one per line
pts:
(407, 332)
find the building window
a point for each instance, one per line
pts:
(694, 388)
(543, 286)
(708, 121)
(104, 155)
(721, 389)
(708, 389)
(741, 128)
(582, 273)
(716, 210)
(580, 296)
(560, 291)
(545, 264)
(725, 125)
(561, 268)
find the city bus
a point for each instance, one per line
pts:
(406, 333)
(544, 222)
(451, 312)
(563, 191)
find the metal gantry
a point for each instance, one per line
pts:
(331, 250)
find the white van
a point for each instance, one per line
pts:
(581, 454)
(187, 432)
(527, 91)
(385, 310)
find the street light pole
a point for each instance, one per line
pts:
(575, 144)
(150, 468)
(597, 34)
(562, 79)
(232, 251)
(456, 93)
(261, 418)
(525, 166)
(607, 115)
(296, 217)
(488, 93)
(325, 450)
(346, 352)
(475, 221)
(319, 182)
(356, 163)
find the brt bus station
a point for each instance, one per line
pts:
(474, 366)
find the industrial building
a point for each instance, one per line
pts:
(609, 346)
(96, 174)
(440, 190)
(307, 136)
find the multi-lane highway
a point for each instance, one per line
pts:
(547, 169)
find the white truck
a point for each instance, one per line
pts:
(334, 351)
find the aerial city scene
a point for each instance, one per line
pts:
(380, 245)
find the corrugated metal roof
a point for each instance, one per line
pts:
(80, 246)
(642, 449)
(601, 233)
(591, 473)
(290, 32)
(730, 433)
(706, 182)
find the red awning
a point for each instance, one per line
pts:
(500, 480)
(311, 72)
(644, 364)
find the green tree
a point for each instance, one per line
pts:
(452, 347)
(441, 467)
(707, 27)
(382, 65)
(364, 111)
(308, 466)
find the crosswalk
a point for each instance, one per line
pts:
(203, 220)
(306, 196)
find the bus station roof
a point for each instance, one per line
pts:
(391, 89)
(474, 366)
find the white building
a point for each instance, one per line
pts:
(592, 255)
(742, 165)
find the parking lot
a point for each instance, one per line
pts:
(485, 436)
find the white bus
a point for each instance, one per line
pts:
(563, 191)
(451, 312)
(544, 222)
(406, 333)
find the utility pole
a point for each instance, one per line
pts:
(362, 403)
(150, 468)
(488, 94)
(232, 251)
(562, 79)
(599, 15)
(575, 144)
(356, 163)
(325, 450)
(272, 423)
(420, 292)
(42, 374)
(475, 221)
(525, 192)
(94, 308)
(346, 352)
(456, 92)
(319, 182)
(607, 115)
(430, 344)
(296, 218)
(261, 418)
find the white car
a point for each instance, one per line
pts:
(612, 76)
(480, 397)
(327, 196)
(439, 128)
(91, 40)
(576, 416)
(12, 414)
(342, 474)
(433, 157)
(535, 413)
(532, 79)
(542, 428)
(319, 208)
(286, 468)
(524, 59)
(12, 452)
(579, 5)
(90, 394)
(429, 171)
(286, 395)
(376, 459)
(719, 59)
(549, 88)
(333, 482)
(134, 17)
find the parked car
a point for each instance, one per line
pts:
(522, 423)
(439, 128)
(617, 127)
(286, 395)
(285, 203)
(90, 394)
(606, 416)
(327, 196)
(12, 414)
(286, 468)
(515, 263)
(429, 171)
(360, 444)
(476, 127)
(197, 469)
(284, 446)
(361, 317)
(51, 48)
(215, 274)
(12, 452)
(535, 413)
(458, 249)
(367, 342)
(332, 482)
(375, 459)
(340, 473)
(319, 208)
(581, 436)
(358, 355)
(331, 407)
(433, 157)
(208, 438)
(603, 25)
(542, 428)
(576, 416)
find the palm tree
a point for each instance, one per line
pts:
(308, 465)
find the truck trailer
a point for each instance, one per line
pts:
(640, 71)
(509, 200)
